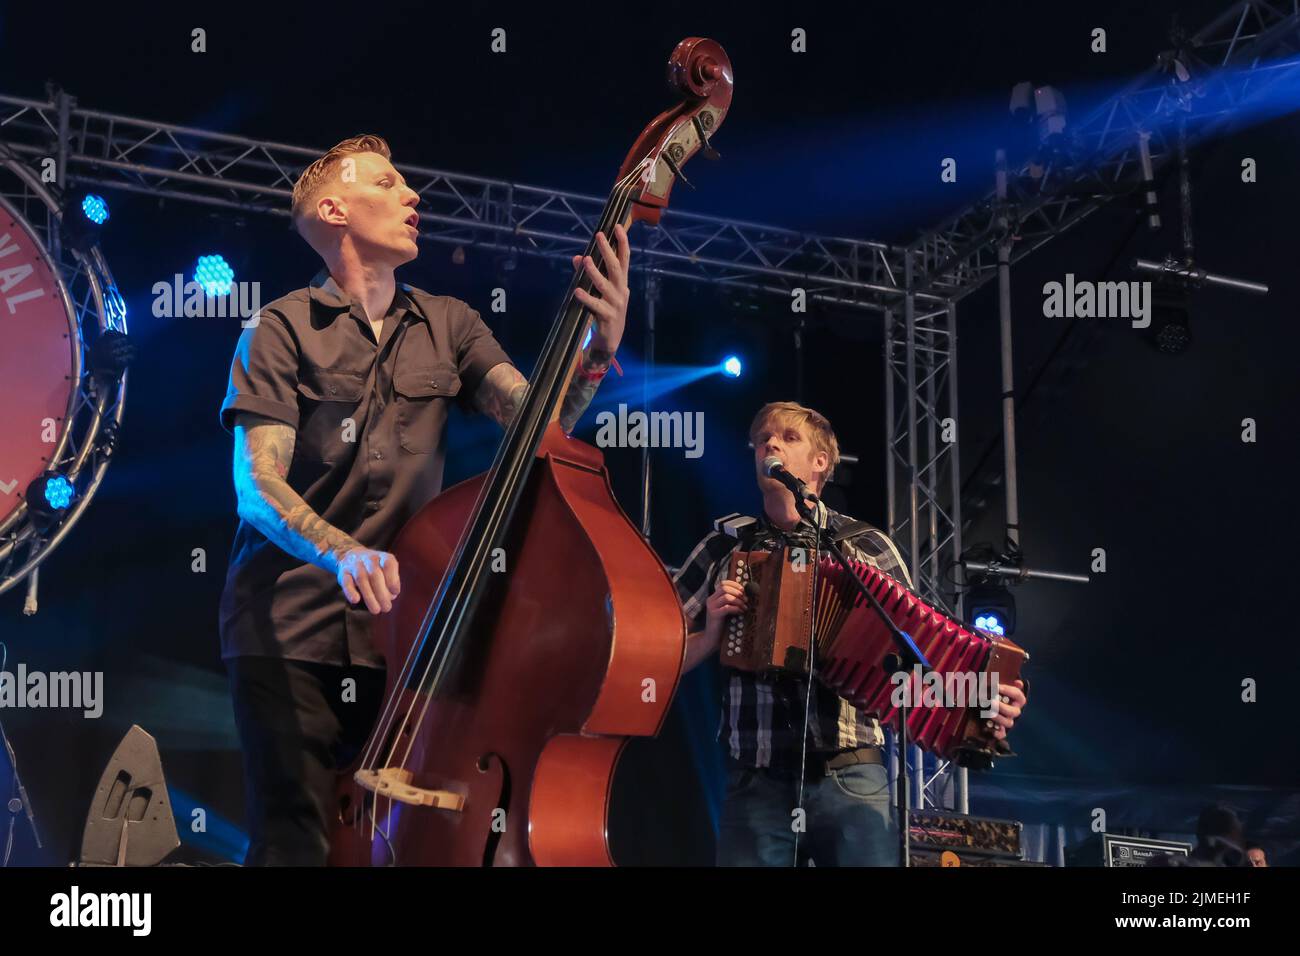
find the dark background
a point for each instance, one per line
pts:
(1136, 676)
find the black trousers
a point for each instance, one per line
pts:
(299, 723)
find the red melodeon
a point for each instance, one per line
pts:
(855, 651)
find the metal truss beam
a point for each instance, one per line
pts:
(1235, 61)
(257, 176)
(923, 485)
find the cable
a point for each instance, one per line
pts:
(818, 510)
(13, 783)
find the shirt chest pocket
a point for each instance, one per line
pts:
(423, 393)
(329, 413)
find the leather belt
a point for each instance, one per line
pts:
(852, 757)
(821, 766)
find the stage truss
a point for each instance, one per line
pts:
(88, 431)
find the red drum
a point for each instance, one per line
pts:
(39, 361)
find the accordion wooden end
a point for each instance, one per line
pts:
(855, 653)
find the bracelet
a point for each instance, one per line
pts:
(594, 377)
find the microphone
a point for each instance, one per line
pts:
(773, 467)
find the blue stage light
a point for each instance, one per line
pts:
(47, 499)
(731, 366)
(58, 492)
(992, 608)
(95, 208)
(214, 274)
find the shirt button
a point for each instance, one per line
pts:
(379, 455)
(434, 385)
(334, 389)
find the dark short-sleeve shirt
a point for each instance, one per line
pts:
(370, 418)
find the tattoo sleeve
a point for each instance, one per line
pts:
(263, 451)
(582, 390)
(502, 392)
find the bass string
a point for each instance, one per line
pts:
(614, 212)
(389, 713)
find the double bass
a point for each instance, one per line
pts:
(536, 631)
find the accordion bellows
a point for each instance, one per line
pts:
(855, 654)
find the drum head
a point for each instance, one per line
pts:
(38, 352)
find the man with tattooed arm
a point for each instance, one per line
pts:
(338, 400)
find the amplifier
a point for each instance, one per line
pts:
(925, 856)
(943, 830)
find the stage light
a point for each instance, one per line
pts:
(48, 498)
(58, 492)
(214, 274)
(991, 608)
(1049, 104)
(731, 366)
(1173, 337)
(1039, 112)
(1022, 100)
(81, 220)
(1170, 330)
(95, 208)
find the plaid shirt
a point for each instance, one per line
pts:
(761, 716)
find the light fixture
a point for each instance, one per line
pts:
(991, 608)
(48, 499)
(95, 208)
(214, 274)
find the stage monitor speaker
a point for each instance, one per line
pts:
(130, 822)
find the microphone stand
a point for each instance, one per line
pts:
(18, 802)
(907, 658)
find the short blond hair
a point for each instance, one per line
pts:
(313, 178)
(820, 434)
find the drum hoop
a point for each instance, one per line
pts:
(98, 279)
(74, 344)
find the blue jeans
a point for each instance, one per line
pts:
(849, 819)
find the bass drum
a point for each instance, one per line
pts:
(40, 363)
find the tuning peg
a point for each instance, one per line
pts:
(677, 170)
(707, 149)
